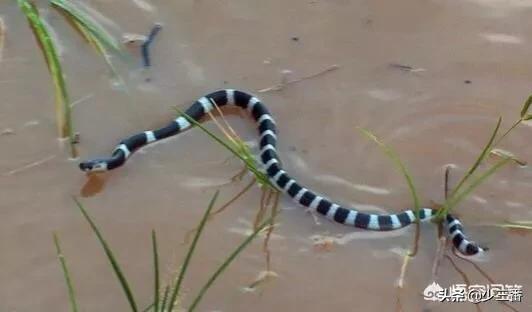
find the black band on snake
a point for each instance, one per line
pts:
(272, 166)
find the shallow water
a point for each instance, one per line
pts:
(430, 115)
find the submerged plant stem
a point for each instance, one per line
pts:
(226, 263)
(188, 257)
(507, 132)
(266, 246)
(110, 256)
(156, 271)
(479, 160)
(70, 286)
(48, 48)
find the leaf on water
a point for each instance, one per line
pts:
(507, 154)
(135, 40)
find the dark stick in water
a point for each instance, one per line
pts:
(146, 45)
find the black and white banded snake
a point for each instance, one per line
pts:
(272, 166)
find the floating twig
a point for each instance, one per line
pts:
(145, 47)
(406, 68)
(29, 166)
(83, 99)
(284, 79)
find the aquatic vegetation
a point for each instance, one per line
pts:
(524, 115)
(461, 191)
(93, 32)
(49, 50)
(236, 146)
(170, 300)
(468, 183)
(239, 148)
(399, 165)
(88, 27)
(66, 274)
(110, 256)
(188, 257)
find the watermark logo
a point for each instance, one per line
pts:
(473, 293)
(432, 292)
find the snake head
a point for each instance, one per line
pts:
(93, 165)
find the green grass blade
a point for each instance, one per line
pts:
(226, 263)
(480, 158)
(93, 33)
(507, 154)
(165, 299)
(148, 308)
(399, 165)
(458, 197)
(70, 286)
(237, 151)
(44, 39)
(156, 271)
(522, 222)
(190, 252)
(98, 33)
(514, 226)
(524, 111)
(110, 256)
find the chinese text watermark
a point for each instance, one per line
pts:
(474, 293)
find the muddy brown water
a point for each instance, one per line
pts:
(471, 61)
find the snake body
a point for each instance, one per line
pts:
(272, 165)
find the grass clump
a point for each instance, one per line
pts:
(49, 50)
(170, 300)
(234, 144)
(467, 184)
(239, 148)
